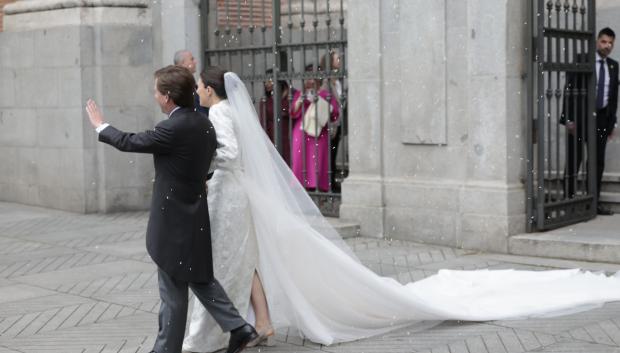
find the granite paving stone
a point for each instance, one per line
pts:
(84, 283)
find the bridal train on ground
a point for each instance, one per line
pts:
(313, 281)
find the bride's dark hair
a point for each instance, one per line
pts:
(213, 77)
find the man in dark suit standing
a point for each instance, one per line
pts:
(606, 107)
(178, 237)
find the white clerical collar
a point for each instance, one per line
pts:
(173, 110)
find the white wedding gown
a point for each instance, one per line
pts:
(235, 254)
(316, 285)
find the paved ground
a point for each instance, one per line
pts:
(75, 283)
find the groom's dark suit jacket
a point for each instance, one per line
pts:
(178, 236)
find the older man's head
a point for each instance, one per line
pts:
(186, 59)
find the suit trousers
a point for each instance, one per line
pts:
(173, 310)
(575, 153)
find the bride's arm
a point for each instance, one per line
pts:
(227, 147)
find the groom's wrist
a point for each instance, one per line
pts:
(101, 127)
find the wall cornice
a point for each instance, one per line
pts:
(27, 6)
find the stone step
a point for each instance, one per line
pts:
(345, 229)
(597, 240)
(610, 193)
(611, 200)
(611, 182)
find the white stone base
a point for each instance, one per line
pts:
(362, 202)
(472, 216)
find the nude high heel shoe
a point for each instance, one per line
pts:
(266, 337)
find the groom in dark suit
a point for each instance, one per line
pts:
(576, 119)
(178, 236)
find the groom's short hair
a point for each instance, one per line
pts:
(178, 83)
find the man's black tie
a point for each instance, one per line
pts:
(600, 85)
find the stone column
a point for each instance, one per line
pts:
(436, 120)
(362, 191)
(177, 26)
(54, 55)
(492, 199)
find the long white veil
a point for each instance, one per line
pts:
(315, 284)
(293, 236)
(265, 172)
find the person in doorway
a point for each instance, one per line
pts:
(576, 120)
(266, 115)
(312, 111)
(332, 63)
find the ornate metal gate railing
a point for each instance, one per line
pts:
(561, 185)
(291, 52)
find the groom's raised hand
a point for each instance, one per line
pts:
(94, 114)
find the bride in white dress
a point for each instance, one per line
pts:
(313, 282)
(235, 253)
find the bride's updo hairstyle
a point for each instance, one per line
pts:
(213, 77)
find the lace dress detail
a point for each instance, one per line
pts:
(235, 253)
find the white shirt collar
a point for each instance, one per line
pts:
(173, 110)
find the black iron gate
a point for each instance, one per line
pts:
(561, 175)
(291, 55)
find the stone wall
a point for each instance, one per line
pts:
(54, 55)
(48, 150)
(436, 121)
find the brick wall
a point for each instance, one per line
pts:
(261, 13)
(2, 3)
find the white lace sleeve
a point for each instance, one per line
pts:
(227, 147)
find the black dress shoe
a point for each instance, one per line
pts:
(240, 337)
(603, 211)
